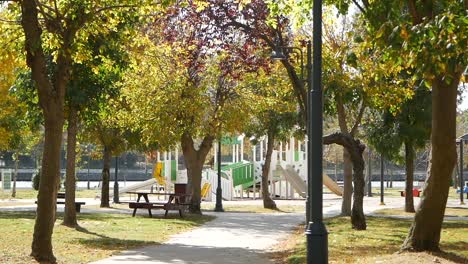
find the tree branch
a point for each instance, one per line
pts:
(358, 118)
(359, 6)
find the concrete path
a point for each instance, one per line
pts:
(230, 238)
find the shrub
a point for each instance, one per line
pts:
(35, 180)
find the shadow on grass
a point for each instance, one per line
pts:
(17, 214)
(454, 225)
(101, 241)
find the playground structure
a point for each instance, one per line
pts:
(241, 178)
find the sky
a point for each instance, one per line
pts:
(464, 104)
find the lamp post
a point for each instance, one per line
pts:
(116, 181)
(369, 173)
(316, 232)
(382, 180)
(88, 148)
(317, 235)
(219, 191)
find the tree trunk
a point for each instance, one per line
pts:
(70, 181)
(347, 183)
(355, 149)
(48, 187)
(424, 233)
(358, 219)
(106, 177)
(15, 175)
(267, 201)
(409, 166)
(194, 160)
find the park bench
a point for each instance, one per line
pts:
(61, 195)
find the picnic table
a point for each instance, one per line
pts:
(176, 202)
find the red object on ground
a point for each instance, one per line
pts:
(416, 192)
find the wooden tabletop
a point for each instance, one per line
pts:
(159, 193)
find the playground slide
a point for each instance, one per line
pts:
(301, 187)
(332, 185)
(136, 186)
(296, 181)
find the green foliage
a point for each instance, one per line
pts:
(169, 92)
(274, 111)
(412, 124)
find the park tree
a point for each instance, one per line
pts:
(430, 39)
(204, 99)
(274, 116)
(346, 85)
(193, 109)
(54, 31)
(92, 81)
(408, 127)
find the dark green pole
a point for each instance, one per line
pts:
(116, 181)
(316, 233)
(369, 173)
(382, 180)
(219, 191)
(87, 176)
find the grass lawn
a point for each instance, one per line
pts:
(449, 211)
(99, 235)
(382, 238)
(32, 194)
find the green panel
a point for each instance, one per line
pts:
(233, 166)
(173, 170)
(296, 156)
(242, 174)
(6, 180)
(230, 141)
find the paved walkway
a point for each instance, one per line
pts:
(230, 238)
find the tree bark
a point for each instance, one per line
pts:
(106, 177)
(347, 183)
(424, 233)
(267, 201)
(355, 149)
(48, 187)
(194, 160)
(15, 175)
(409, 166)
(70, 181)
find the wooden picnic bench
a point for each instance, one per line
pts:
(176, 202)
(61, 195)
